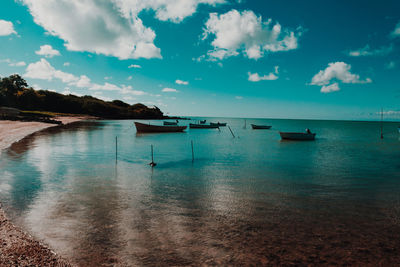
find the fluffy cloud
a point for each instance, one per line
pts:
(110, 28)
(338, 71)
(6, 28)
(255, 77)
(47, 51)
(135, 66)
(366, 51)
(95, 26)
(181, 82)
(18, 64)
(169, 90)
(396, 31)
(45, 71)
(245, 32)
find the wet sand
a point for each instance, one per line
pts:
(18, 248)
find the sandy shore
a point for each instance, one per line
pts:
(18, 248)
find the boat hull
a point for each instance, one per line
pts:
(297, 136)
(170, 123)
(202, 126)
(147, 128)
(260, 127)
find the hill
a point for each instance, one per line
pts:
(14, 92)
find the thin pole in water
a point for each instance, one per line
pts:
(245, 124)
(116, 149)
(152, 163)
(231, 131)
(381, 123)
(192, 151)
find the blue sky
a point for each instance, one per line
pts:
(278, 59)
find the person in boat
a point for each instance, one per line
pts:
(308, 131)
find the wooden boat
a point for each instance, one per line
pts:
(203, 121)
(297, 136)
(148, 128)
(202, 126)
(170, 123)
(260, 127)
(218, 124)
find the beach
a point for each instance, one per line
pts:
(18, 248)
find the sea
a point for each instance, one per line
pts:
(233, 196)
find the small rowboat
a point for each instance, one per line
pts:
(148, 128)
(260, 127)
(202, 126)
(297, 136)
(218, 123)
(170, 123)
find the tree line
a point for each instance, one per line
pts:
(15, 92)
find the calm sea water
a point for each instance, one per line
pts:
(253, 199)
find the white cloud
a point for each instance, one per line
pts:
(396, 31)
(239, 97)
(255, 77)
(181, 82)
(18, 64)
(47, 51)
(366, 51)
(95, 26)
(44, 71)
(129, 78)
(338, 71)
(169, 90)
(6, 28)
(245, 32)
(108, 78)
(135, 66)
(67, 64)
(330, 88)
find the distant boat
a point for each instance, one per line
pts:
(260, 127)
(148, 128)
(203, 121)
(202, 126)
(218, 123)
(170, 123)
(297, 136)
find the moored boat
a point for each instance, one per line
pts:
(170, 123)
(202, 126)
(203, 121)
(260, 127)
(148, 128)
(218, 123)
(297, 136)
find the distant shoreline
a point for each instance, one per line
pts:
(18, 248)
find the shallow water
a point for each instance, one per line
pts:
(253, 199)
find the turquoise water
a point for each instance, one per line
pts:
(239, 200)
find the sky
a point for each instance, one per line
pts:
(310, 59)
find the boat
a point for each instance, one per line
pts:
(218, 123)
(202, 126)
(203, 121)
(298, 136)
(148, 128)
(260, 127)
(170, 123)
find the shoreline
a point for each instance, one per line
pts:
(17, 247)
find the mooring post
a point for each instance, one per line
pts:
(192, 151)
(231, 131)
(116, 149)
(152, 163)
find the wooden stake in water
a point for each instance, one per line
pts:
(245, 124)
(231, 131)
(381, 123)
(152, 163)
(192, 151)
(116, 149)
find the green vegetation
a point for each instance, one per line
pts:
(14, 92)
